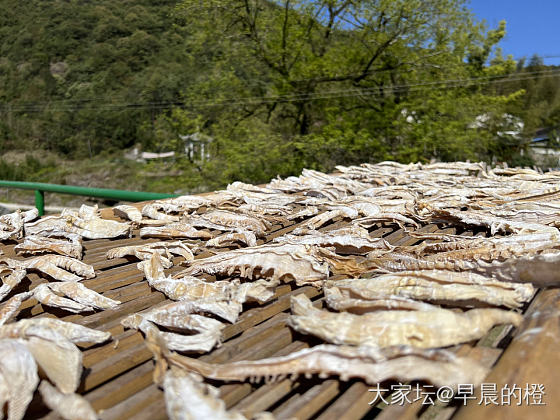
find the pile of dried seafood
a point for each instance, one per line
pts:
(394, 312)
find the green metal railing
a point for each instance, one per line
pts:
(41, 187)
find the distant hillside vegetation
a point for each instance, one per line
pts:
(274, 86)
(72, 71)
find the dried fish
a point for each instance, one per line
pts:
(508, 245)
(60, 267)
(353, 240)
(245, 237)
(187, 397)
(33, 244)
(187, 203)
(152, 211)
(58, 358)
(97, 228)
(45, 327)
(237, 221)
(84, 212)
(145, 251)
(496, 224)
(18, 378)
(387, 217)
(175, 319)
(81, 294)
(46, 296)
(91, 227)
(11, 225)
(424, 329)
(208, 332)
(10, 276)
(190, 288)
(352, 266)
(128, 212)
(174, 230)
(305, 212)
(277, 262)
(227, 310)
(321, 219)
(11, 307)
(341, 301)
(67, 406)
(264, 208)
(440, 286)
(540, 270)
(373, 365)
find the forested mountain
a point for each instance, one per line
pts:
(73, 72)
(278, 85)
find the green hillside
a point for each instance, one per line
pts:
(277, 85)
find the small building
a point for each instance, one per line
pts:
(545, 147)
(197, 146)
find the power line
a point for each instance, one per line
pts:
(305, 96)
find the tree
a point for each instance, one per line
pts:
(334, 77)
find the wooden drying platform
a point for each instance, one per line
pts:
(117, 377)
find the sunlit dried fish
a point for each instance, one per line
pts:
(188, 203)
(173, 318)
(496, 224)
(425, 329)
(237, 221)
(60, 267)
(187, 397)
(47, 297)
(152, 211)
(92, 227)
(10, 277)
(305, 212)
(84, 212)
(98, 228)
(60, 359)
(277, 262)
(351, 265)
(439, 286)
(264, 208)
(18, 378)
(395, 261)
(373, 365)
(490, 248)
(128, 212)
(321, 219)
(67, 406)
(353, 240)
(145, 251)
(45, 327)
(174, 230)
(33, 244)
(11, 306)
(184, 287)
(227, 310)
(81, 294)
(11, 225)
(540, 270)
(386, 217)
(246, 238)
(339, 301)
(208, 331)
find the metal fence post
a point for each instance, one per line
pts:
(40, 201)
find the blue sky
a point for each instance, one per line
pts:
(532, 26)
